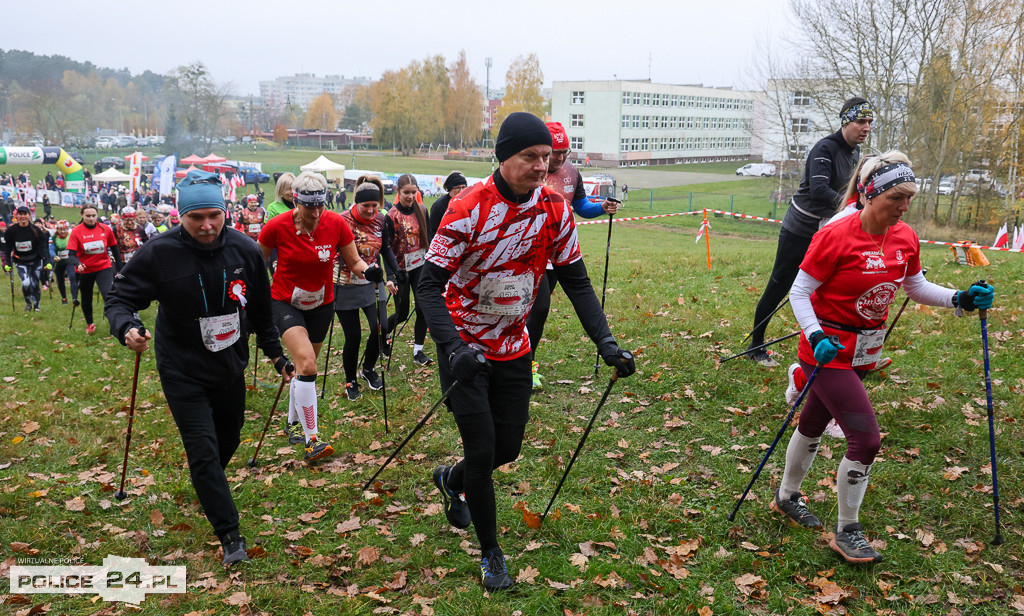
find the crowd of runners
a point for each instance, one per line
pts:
(476, 273)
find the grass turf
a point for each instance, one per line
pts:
(640, 526)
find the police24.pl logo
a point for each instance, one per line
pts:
(117, 579)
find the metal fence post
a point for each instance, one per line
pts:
(732, 199)
(650, 200)
(690, 208)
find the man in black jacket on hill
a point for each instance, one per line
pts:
(830, 164)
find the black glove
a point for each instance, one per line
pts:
(466, 362)
(618, 358)
(401, 276)
(980, 295)
(283, 366)
(374, 274)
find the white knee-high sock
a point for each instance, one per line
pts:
(305, 403)
(799, 456)
(852, 482)
(293, 413)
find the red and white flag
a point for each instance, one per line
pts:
(704, 226)
(1001, 237)
(1018, 238)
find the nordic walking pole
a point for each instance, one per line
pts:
(255, 361)
(252, 462)
(983, 313)
(444, 396)
(757, 348)
(765, 320)
(604, 285)
(380, 348)
(74, 304)
(782, 430)
(586, 433)
(121, 494)
(327, 359)
(10, 276)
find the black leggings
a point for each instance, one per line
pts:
(402, 307)
(788, 256)
(102, 279)
(541, 305)
(491, 412)
(352, 329)
(61, 269)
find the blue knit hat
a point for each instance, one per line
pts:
(200, 189)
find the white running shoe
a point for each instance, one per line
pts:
(792, 393)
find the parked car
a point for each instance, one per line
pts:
(158, 140)
(977, 175)
(124, 141)
(104, 142)
(946, 186)
(229, 139)
(762, 169)
(247, 139)
(252, 176)
(109, 161)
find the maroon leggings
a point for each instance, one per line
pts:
(838, 394)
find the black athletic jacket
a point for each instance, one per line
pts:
(38, 240)
(830, 164)
(190, 281)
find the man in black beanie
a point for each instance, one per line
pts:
(453, 185)
(483, 270)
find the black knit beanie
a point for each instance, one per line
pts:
(454, 179)
(519, 131)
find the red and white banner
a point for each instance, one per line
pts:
(134, 171)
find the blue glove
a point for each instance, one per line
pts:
(978, 296)
(825, 348)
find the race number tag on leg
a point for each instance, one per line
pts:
(868, 348)
(508, 295)
(414, 259)
(219, 332)
(307, 300)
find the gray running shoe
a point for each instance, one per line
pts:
(795, 509)
(853, 547)
(295, 434)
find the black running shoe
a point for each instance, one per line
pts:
(352, 391)
(421, 358)
(234, 549)
(853, 547)
(316, 449)
(795, 509)
(455, 507)
(372, 379)
(64, 301)
(295, 434)
(494, 572)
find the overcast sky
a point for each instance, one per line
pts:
(669, 41)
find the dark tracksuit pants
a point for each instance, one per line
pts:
(210, 421)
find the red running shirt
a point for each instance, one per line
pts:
(497, 252)
(304, 263)
(859, 282)
(91, 246)
(408, 249)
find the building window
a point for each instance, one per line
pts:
(576, 120)
(801, 99)
(625, 121)
(577, 97)
(636, 121)
(657, 100)
(635, 144)
(627, 98)
(624, 145)
(636, 98)
(664, 121)
(645, 145)
(646, 122)
(647, 98)
(797, 152)
(576, 143)
(800, 125)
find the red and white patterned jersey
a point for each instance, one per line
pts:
(250, 222)
(128, 240)
(496, 252)
(406, 244)
(369, 239)
(860, 276)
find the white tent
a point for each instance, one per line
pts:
(328, 167)
(111, 175)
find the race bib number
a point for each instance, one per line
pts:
(868, 348)
(219, 332)
(23, 246)
(94, 248)
(509, 295)
(414, 259)
(307, 300)
(255, 227)
(62, 254)
(128, 256)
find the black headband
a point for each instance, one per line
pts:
(884, 178)
(369, 193)
(311, 198)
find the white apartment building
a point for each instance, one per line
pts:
(793, 115)
(302, 88)
(638, 123)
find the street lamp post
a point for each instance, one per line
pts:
(120, 113)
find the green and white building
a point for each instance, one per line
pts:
(639, 123)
